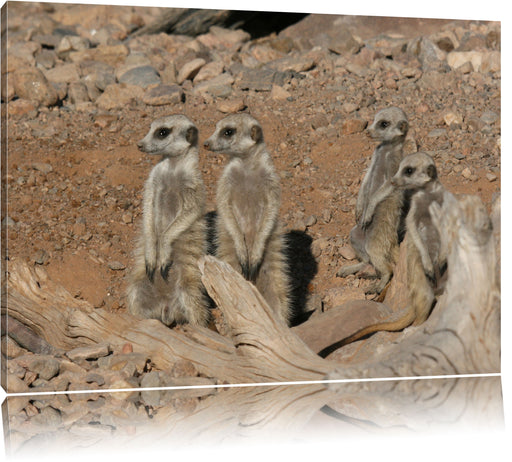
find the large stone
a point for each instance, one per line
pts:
(65, 73)
(31, 84)
(163, 94)
(119, 95)
(45, 366)
(143, 76)
(209, 71)
(77, 93)
(89, 352)
(456, 59)
(219, 87)
(190, 70)
(344, 43)
(109, 54)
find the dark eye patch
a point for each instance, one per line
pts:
(408, 171)
(162, 132)
(228, 132)
(384, 124)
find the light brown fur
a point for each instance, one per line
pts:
(375, 237)
(165, 282)
(249, 236)
(426, 253)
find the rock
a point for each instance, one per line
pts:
(291, 63)
(279, 93)
(93, 377)
(42, 167)
(120, 361)
(46, 59)
(16, 385)
(65, 73)
(116, 265)
(491, 177)
(219, 87)
(318, 246)
(452, 118)
(127, 218)
(127, 348)
(89, 352)
(344, 43)
(45, 366)
(32, 85)
(12, 349)
(428, 53)
(257, 79)
(183, 368)
(209, 71)
(491, 62)
(150, 397)
(70, 43)
(190, 70)
(41, 257)
(109, 54)
(231, 106)
(77, 93)
(143, 76)
(119, 95)
(489, 117)
(354, 125)
(347, 252)
(466, 173)
(163, 94)
(229, 37)
(21, 107)
(456, 59)
(319, 120)
(49, 418)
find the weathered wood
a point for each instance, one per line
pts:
(325, 332)
(461, 336)
(266, 413)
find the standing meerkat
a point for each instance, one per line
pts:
(165, 283)
(248, 201)
(377, 242)
(426, 252)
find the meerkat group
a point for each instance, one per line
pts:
(393, 199)
(165, 283)
(376, 238)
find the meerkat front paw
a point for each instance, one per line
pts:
(164, 269)
(150, 271)
(252, 272)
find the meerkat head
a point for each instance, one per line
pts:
(170, 136)
(236, 135)
(415, 171)
(389, 125)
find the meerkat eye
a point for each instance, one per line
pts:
(384, 124)
(162, 132)
(408, 171)
(228, 132)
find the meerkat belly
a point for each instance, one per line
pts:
(248, 204)
(167, 204)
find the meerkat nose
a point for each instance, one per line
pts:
(140, 145)
(206, 144)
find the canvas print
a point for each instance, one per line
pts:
(194, 199)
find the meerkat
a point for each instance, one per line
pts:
(165, 283)
(377, 242)
(249, 236)
(426, 252)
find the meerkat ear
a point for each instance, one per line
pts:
(256, 134)
(403, 126)
(432, 172)
(192, 135)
